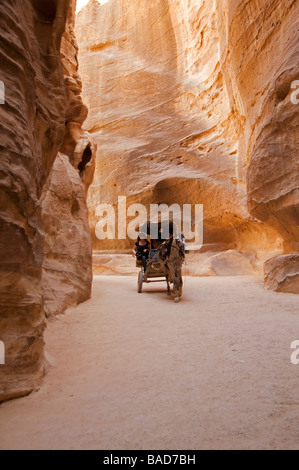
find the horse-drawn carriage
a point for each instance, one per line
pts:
(155, 272)
(164, 262)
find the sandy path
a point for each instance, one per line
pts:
(136, 371)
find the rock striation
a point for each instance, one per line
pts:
(67, 275)
(282, 273)
(260, 47)
(40, 116)
(32, 131)
(67, 271)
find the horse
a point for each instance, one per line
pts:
(173, 257)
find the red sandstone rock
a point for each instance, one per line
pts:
(41, 106)
(260, 68)
(67, 275)
(282, 273)
(32, 124)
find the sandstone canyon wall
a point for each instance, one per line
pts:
(39, 104)
(259, 56)
(67, 275)
(189, 102)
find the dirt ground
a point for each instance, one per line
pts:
(136, 371)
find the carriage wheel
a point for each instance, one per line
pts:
(140, 281)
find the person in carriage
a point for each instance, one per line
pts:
(141, 249)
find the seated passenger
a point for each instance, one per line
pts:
(141, 249)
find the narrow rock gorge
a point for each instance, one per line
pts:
(161, 101)
(190, 102)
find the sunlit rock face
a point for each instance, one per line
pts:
(67, 276)
(260, 48)
(76, 111)
(190, 103)
(160, 111)
(41, 99)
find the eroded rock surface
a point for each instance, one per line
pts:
(39, 102)
(67, 275)
(282, 273)
(260, 45)
(32, 124)
(263, 45)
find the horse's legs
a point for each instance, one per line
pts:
(173, 278)
(181, 285)
(168, 286)
(174, 265)
(176, 287)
